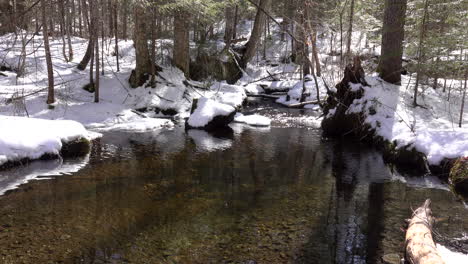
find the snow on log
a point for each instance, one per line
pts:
(420, 247)
(209, 114)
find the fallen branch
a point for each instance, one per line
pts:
(299, 105)
(264, 96)
(420, 247)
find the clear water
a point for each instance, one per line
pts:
(279, 195)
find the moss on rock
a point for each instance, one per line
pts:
(76, 148)
(459, 176)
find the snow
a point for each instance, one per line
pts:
(232, 95)
(206, 110)
(32, 138)
(451, 257)
(432, 130)
(253, 120)
(295, 92)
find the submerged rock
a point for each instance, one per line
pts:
(459, 176)
(210, 115)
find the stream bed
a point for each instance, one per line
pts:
(270, 195)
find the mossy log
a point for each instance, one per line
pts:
(420, 247)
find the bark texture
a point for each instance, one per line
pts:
(420, 247)
(392, 41)
(140, 75)
(255, 37)
(181, 42)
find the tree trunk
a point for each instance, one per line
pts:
(140, 74)
(50, 70)
(125, 19)
(181, 54)
(68, 29)
(463, 100)
(87, 57)
(255, 37)
(392, 41)
(350, 32)
(116, 14)
(80, 27)
(236, 21)
(230, 21)
(97, 24)
(420, 247)
(421, 52)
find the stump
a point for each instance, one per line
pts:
(420, 247)
(340, 123)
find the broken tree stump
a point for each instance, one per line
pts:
(420, 246)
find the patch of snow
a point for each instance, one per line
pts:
(253, 89)
(32, 138)
(451, 257)
(206, 110)
(253, 120)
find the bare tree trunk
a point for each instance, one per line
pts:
(50, 70)
(392, 41)
(181, 42)
(63, 29)
(87, 23)
(96, 23)
(125, 20)
(463, 100)
(230, 21)
(421, 52)
(153, 45)
(88, 55)
(350, 32)
(68, 29)
(318, 68)
(143, 63)
(236, 21)
(255, 37)
(341, 32)
(80, 22)
(116, 14)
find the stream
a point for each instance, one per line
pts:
(251, 195)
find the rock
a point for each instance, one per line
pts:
(210, 115)
(391, 259)
(459, 176)
(76, 148)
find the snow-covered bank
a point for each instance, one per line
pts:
(430, 129)
(386, 112)
(30, 138)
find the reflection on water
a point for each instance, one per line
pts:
(285, 196)
(40, 169)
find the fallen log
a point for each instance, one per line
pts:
(420, 246)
